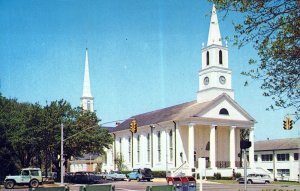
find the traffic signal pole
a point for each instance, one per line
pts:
(245, 169)
(131, 149)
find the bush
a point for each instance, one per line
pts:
(217, 176)
(159, 174)
(238, 175)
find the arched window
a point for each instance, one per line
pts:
(223, 111)
(138, 148)
(159, 146)
(120, 143)
(148, 147)
(88, 105)
(220, 57)
(171, 145)
(207, 58)
(129, 149)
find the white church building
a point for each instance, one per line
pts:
(174, 138)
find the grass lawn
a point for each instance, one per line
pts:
(286, 182)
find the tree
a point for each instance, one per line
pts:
(273, 28)
(7, 155)
(120, 162)
(30, 134)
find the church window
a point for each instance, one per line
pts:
(105, 158)
(159, 146)
(148, 147)
(171, 145)
(88, 105)
(138, 148)
(120, 143)
(129, 149)
(224, 111)
(220, 57)
(207, 58)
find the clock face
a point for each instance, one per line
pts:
(206, 81)
(222, 80)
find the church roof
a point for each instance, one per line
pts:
(277, 144)
(166, 114)
(177, 112)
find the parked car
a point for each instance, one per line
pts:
(115, 175)
(256, 179)
(69, 176)
(85, 178)
(140, 174)
(28, 176)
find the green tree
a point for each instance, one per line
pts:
(120, 162)
(30, 134)
(273, 28)
(7, 155)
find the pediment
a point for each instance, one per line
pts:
(224, 107)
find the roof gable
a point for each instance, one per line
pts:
(235, 111)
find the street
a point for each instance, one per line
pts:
(141, 186)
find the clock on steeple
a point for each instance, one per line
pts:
(215, 76)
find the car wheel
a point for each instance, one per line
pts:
(34, 183)
(267, 182)
(138, 179)
(148, 179)
(249, 182)
(129, 179)
(9, 184)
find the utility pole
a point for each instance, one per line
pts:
(62, 159)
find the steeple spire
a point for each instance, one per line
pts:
(87, 98)
(86, 81)
(214, 35)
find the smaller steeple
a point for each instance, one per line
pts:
(214, 35)
(87, 98)
(86, 80)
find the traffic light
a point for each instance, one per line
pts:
(291, 124)
(284, 124)
(245, 144)
(133, 126)
(287, 123)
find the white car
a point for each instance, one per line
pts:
(256, 179)
(115, 175)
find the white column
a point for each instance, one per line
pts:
(212, 142)
(251, 149)
(191, 146)
(232, 146)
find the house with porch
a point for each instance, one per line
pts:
(175, 138)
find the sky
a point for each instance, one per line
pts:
(143, 56)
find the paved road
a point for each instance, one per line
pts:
(141, 186)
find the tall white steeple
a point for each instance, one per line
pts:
(215, 76)
(87, 100)
(214, 35)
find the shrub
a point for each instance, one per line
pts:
(238, 175)
(217, 176)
